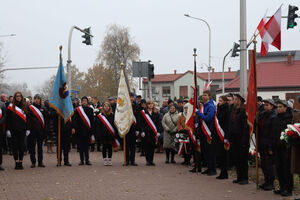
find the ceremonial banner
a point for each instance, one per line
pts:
(124, 114)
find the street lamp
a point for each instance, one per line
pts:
(10, 35)
(209, 46)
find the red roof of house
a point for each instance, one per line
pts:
(273, 74)
(203, 76)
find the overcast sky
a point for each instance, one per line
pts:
(164, 35)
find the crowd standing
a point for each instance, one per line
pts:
(221, 138)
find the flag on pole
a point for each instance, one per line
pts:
(261, 28)
(207, 86)
(124, 114)
(60, 98)
(251, 106)
(271, 33)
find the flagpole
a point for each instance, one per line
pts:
(124, 141)
(256, 132)
(58, 142)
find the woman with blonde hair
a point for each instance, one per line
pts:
(106, 131)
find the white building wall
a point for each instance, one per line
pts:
(157, 94)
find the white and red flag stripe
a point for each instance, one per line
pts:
(205, 128)
(271, 32)
(0, 113)
(38, 114)
(84, 117)
(18, 110)
(150, 123)
(221, 133)
(110, 128)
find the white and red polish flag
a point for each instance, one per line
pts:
(270, 32)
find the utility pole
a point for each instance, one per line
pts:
(243, 48)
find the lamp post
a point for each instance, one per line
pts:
(9, 35)
(209, 45)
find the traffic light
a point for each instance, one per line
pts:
(291, 17)
(87, 37)
(150, 71)
(235, 50)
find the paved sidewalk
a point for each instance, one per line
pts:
(160, 182)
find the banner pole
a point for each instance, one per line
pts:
(124, 148)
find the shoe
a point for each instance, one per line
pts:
(88, 163)
(285, 193)
(268, 187)
(21, 166)
(41, 165)
(261, 186)
(244, 182)
(32, 166)
(205, 172)
(134, 164)
(81, 163)
(105, 161)
(173, 161)
(167, 161)
(183, 163)
(152, 163)
(211, 173)
(68, 164)
(222, 177)
(194, 170)
(127, 163)
(1, 168)
(109, 162)
(16, 166)
(277, 191)
(235, 181)
(142, 154)
(148, 164)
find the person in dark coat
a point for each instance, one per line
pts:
(2, 130)
(17, 127)
(223, 115)
(282, 153)
(38, 115)
(104, 133)
(131, 136)
(239, 139)
(84, 129)
(265, 135)
(148, 133)
(141, 106)
(208, 151)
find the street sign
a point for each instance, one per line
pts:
(75, 92)
(140, 69)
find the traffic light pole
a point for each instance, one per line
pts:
(69, 61)
(150, 89)
(243, 48)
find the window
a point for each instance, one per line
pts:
(166, 91)
(183, 91)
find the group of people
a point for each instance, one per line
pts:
(220, 136)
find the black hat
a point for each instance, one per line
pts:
(139, 96)
(179, 101)
(143, 101)
(270, 101)
(170, 101)
(240, 97)
(84, 97)
(283, 102)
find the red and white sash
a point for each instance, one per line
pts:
(110, 129)
(221, 133)
(294, 128)
(38, 114)
(205, 128)
(19, 112)
(84, 117)
(134, 121)
(0, 113)
(193, 139)
(150, 123)
(182, 145)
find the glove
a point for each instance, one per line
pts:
(8, 134)
(177, 135)
(196, 110)
(196, 125)
(143, 134)
(137, 133)
(93, 138)
(158, 134)
(27, 132)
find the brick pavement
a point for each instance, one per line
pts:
(160, 182)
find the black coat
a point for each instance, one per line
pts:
(144, 126)
(33, 121)
(223, 115)
(15, 122)
(238, 128)
(81, 130)
(266, 124)
(281, 121)
(102, 132)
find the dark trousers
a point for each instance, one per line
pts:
(223, 159)
(211, 157)
(65, 146)
(283, 168)
(168, 152)
(203, 147)
(18, 138)
(241, 155)
(130, 147)
(149, 151)
(1, 146)
(36, 138)
(83, 148)
(197, 158)
(107, 150)
(267, 166)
